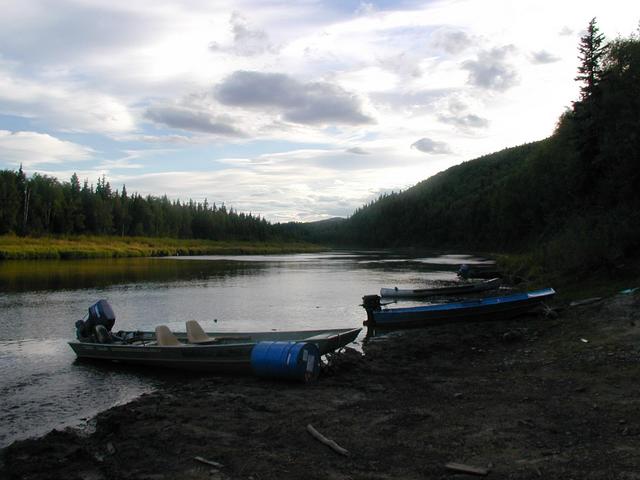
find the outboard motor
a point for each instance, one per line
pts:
(371, 303)
(98, 325)
(464, 270)
(101, 313)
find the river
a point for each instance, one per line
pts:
(42, 386)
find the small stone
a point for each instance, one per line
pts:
(511, 336)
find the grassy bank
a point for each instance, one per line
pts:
(535, 270)
(29, 248)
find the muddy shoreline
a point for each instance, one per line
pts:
(534, 397)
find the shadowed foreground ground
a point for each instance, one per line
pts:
(533, 397)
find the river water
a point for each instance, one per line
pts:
(42, 386)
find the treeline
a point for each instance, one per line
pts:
(42, 205)
(572, 201)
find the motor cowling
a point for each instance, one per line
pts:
(101, 313)
(98, 325)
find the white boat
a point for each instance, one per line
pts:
(446, 290)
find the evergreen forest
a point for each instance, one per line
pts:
(41, 205)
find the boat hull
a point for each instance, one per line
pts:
(481, 309)
(229, 356)
(432, 292)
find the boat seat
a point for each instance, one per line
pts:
(195, 333)
(165, 337)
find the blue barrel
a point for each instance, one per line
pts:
(288, 360)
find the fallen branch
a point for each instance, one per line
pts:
(586, 301)
(208, 462)
(459, 467)
(330, 443)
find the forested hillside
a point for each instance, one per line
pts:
(571, 200)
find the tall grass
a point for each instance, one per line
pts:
(597, 250)
(76, 247)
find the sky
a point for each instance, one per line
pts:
(291, 110)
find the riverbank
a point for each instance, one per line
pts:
(535, 397)
(76, 247)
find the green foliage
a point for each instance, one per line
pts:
(619, 122)
(41, 205)
(478, 204)
(322, 231)
(9, 201)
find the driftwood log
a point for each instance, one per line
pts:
(208, 462)
(468, 469)
(330, 443)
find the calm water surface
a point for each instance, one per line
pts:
(42, 387)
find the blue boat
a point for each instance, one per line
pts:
(490, 308)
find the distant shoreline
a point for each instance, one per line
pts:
(77, 247)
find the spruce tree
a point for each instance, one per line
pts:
(592, 50)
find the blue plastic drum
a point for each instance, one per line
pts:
(287, 360)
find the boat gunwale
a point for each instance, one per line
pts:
(396, 292)
(468, 304)
(332, 335)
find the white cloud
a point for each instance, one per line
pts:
(565, 31)
(121, 163)
(32, 149)
(152, 139)
(358, 151)
(309, 103)
(62, 106)
(452, 41)
(467, 121)
(197, 120)
(492, 69)
(38, 34)
(427, 145)
(543, 56)
(246, 40)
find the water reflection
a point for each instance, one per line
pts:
(20, 276)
